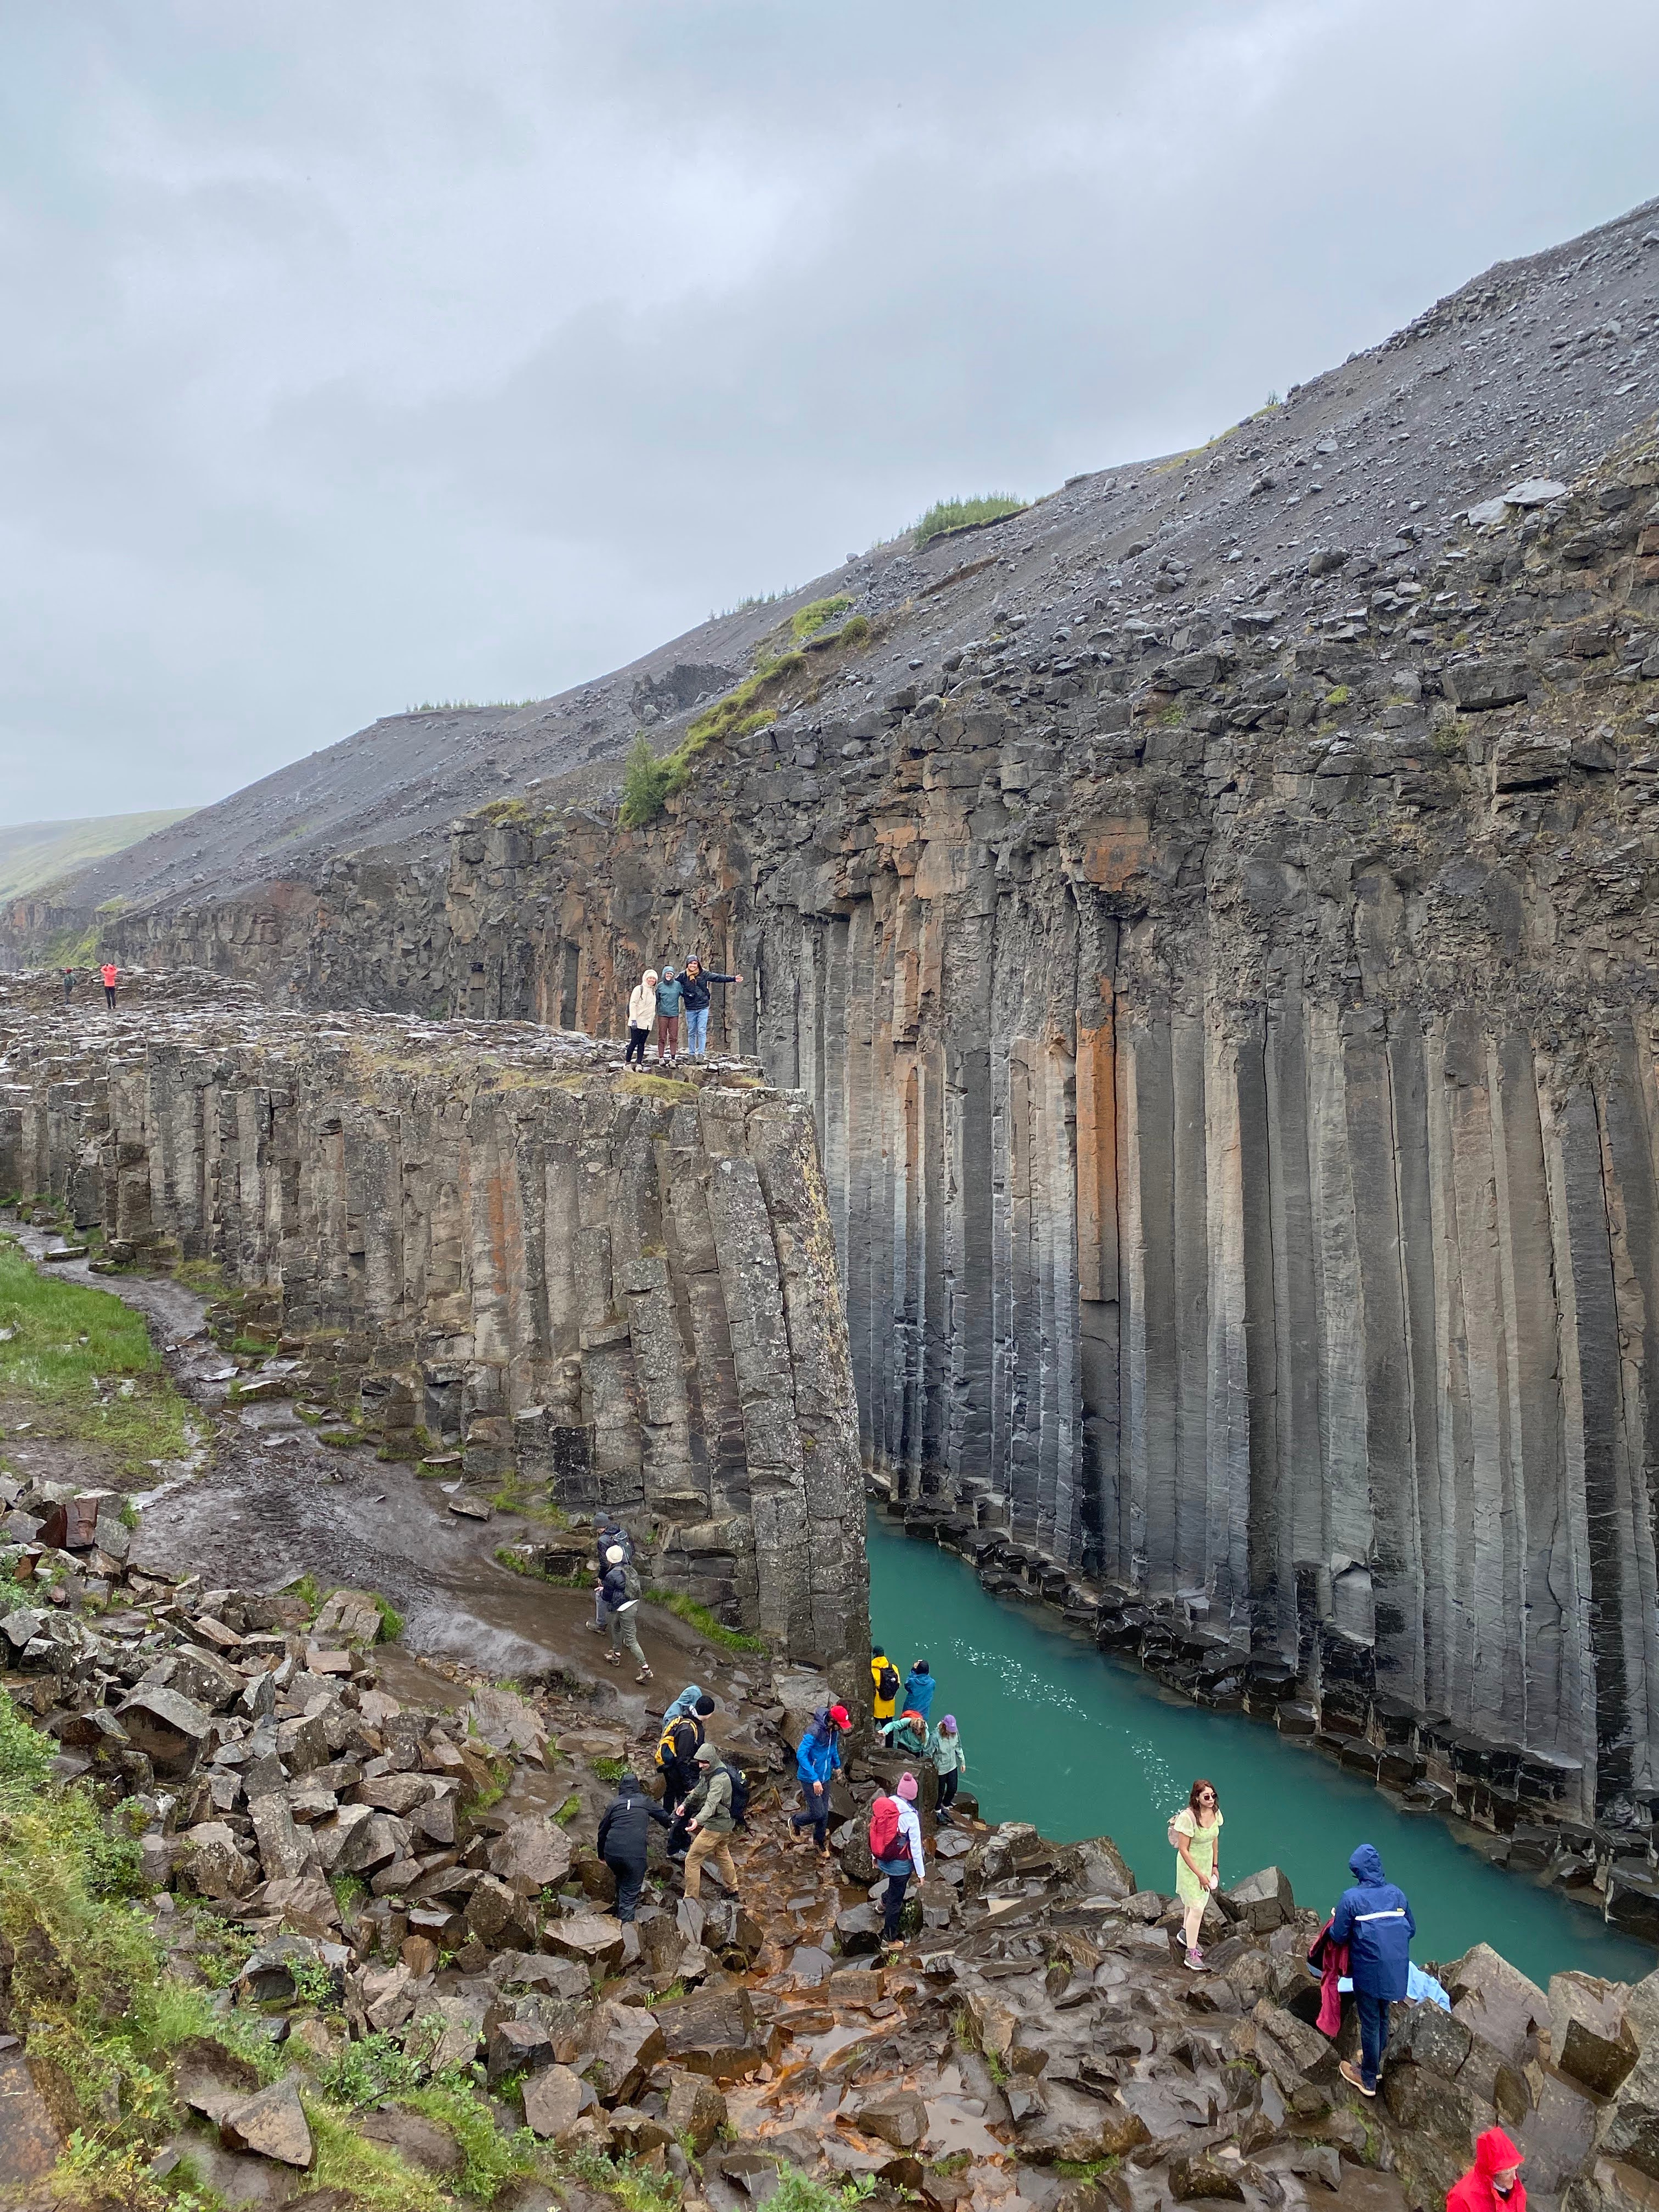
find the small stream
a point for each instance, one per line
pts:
(1082, 1745)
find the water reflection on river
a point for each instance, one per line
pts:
(1080, 1744)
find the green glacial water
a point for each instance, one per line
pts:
(1082, 1745)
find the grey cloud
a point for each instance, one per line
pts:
(360, 355)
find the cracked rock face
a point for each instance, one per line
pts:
(627, 1288)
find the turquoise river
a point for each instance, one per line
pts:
(1082, 1745)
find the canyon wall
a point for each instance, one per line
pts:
(507, 1247)
(1232, 1054)
(1210, 916)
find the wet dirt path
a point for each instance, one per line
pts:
(271, 1502)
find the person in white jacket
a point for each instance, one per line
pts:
(641, 1014)
(903, 1857)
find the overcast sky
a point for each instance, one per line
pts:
(360, 354)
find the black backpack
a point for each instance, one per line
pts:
(739, 1794)
(888, 1685)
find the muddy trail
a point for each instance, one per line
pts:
(263, 1500)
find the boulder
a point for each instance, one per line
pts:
(500, 1918)
(1195, 2176)
(420, 2142)
(532, 1855)
(508, 1724)
(587, 1937)
(1066, 2127)
(217, 1868)
(553, 2100)
(351, 1615)
(628, 2043)
(272, 2122)
(695, 2111)
(1589, 2037)
(900, 2117)
(715, 2034)
(1475, 685)
(1261, 1902)
(283, 1853)
(1495, 2001)
(167, 1726)
(516, 2046)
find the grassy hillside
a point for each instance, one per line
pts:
(35, 853)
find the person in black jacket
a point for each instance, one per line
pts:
(676, 1753)
(695, 981)
(624, 1837)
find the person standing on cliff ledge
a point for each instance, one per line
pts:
(642, 1014)
(694, 980)
(671, 993)
(109, 972)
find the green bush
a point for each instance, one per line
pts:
(956, 514)
(24, 1753)
(646, 784)
(818, 616)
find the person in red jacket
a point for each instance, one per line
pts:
(109, 971)
(1493, 2182)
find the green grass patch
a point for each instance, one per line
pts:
(649, 782)
(24, 1753)
(699, 1617)
(818, 616)
(69, 1340)
(958, 514)
(609, 1769)
(1339, 695)
(667, 1088)
(392, 1621)
(1085, 2169)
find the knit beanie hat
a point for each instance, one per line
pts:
(704, 1705)
(906, 1785)
(949, 1723)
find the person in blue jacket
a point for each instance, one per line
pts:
(919, 1687)
(817, 1761)
(1374, 1919)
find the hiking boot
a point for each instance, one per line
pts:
(644, 1675)
(1351, 2075)
(613, 1658)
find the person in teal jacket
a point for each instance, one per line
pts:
(671, 996)
(918, 1689)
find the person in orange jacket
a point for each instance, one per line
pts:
(109, 971)
(1493, 2182)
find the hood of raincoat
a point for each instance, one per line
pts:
(1365, 1865)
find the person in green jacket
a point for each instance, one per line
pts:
(670, 994)
(708, 1817)
(950, 1764)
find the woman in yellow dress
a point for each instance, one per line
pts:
(1195, 1832)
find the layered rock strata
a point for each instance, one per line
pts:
(623, 1286)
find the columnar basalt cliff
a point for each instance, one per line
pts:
(1208, 913)
(624, 1286)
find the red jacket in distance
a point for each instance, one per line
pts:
(110, 975)
(1494, 2151)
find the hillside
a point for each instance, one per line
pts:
(1535, 369)
(34, 855)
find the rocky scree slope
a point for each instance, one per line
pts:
(491, 1245)
(287, 1914)
(1536, 367)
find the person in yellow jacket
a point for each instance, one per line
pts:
(887, 1682)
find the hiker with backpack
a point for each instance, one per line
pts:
(950, 1764)
(884, 1682)
(710, 1818)
(621, 1592)
(605, 1534)
(624, 1838)
(895, 1847)
(919, 1687)
(1374, 1919)
(817, 1761)
(682, 1739)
